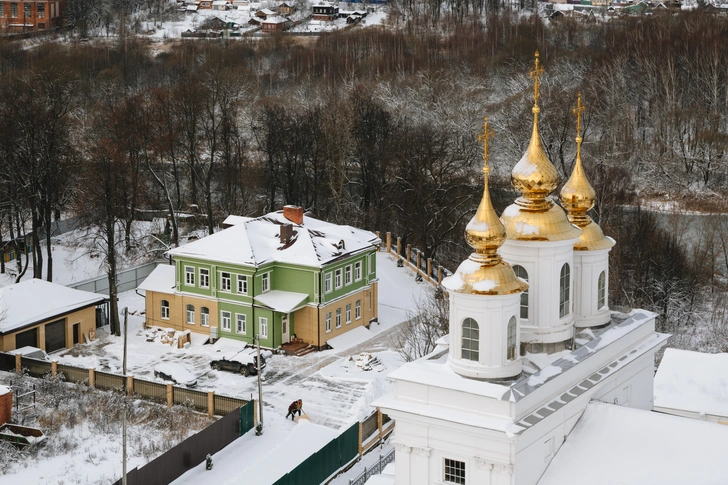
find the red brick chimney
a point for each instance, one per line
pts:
(6, 404)
(293, 213)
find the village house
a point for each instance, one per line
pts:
(30, 16)
(325, 11)
(205, 5)
(220, 5)
(275, 23)
(265, 14)
(49, 316)
(280, 275)
(284, 9)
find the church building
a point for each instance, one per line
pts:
(532, 345)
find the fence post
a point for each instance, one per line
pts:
(360, 438)
(408, 252)
(429, 268)
(379, 422)
(18, 364)
(129, 385)
(170, 395)
(210, 404)
(399, 246)
(255, 412)
(389, 242)
(54, 368)
(439, 275)
(92, 377)
(419, 261)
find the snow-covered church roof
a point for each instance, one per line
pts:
(256, 241)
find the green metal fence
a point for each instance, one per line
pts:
(247, 417)
(322, 464)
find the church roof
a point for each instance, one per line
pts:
(618, 445)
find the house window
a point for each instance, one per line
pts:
(338, 318)
(357, 309)
(564, 283)
(240, 323)
(512, 330)
(14, 10)
(2, 9)
(327, 283)
(266, 282)
(204, 278)
(602, 290)
(263, 327)
(470, 339)
(337, 279)
(189, 276)
(454, 471)
(225, 319)
(191, 314)
(242, 284)
(204, 316)
(41, 10)
(328, 322)
(523, 274)
(348, 313)
(26, 10)
(347, 275)
(165, 310)
(225, 281)
(357, 271)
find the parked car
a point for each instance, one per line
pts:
(245, 362)
(177, 373)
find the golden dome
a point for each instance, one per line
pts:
(485, 272)
(578, 196)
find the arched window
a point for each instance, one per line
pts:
(512, 327)
(191, 314)
(471, 338)
(564, 290)
(204, 316)
(523, 274)
(601, 290)
(165, 309)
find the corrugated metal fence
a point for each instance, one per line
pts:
(325, 462)
(126, 280)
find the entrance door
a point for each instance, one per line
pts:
(29, 338)
(75, 332)
(285, 334)
(55, 336)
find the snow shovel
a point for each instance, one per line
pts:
(303, 416)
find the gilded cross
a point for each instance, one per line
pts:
(537, 71)
(483, 138)
(580, 108)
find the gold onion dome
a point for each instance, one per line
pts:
(534, 217)
(485, 272)
(578, 196)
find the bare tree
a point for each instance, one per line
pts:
(417, 336)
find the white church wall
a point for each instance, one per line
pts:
(588, 265)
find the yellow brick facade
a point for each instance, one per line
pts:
(178, 312)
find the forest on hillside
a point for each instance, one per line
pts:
(377, 128)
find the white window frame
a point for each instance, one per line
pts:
(328, 322)
(327, 282)
(357, 271)
(227, 288)
(190, 314)
(337, 278)
(265, 282)
(347, 275)
(242, 329)
(189, 276)
(348, 313)
(357, 310)
(263, 327)
(241, 278)
(165, 310)
(204, 275)
(204, 317)
(225, 317)
(338, 317)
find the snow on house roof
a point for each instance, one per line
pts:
(219, 3)
(4, 390)
(232, 220)
(618, 445)
(267, 11)
(693, 381)
(257, 241)
(282, 301)
(35, 300)
(274, 20)
(161, 280)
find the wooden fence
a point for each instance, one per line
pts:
(415, 259)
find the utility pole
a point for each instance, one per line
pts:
(260, 389)
(123, 412)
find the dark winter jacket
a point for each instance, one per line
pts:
(294, 406)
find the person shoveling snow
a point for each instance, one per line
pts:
(294, 408)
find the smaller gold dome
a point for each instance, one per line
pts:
(592, 238)
(473, 277)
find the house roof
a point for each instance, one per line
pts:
(693, 381)
(618, 445)
(267, 11)
(161, 280)
(274, 20)
(36, 300)
(254, 242)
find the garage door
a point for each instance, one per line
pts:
(55, 335)
(29, 338)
